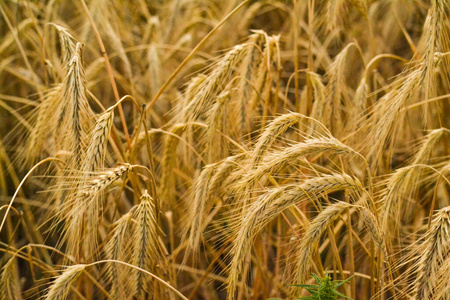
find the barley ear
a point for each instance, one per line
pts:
(60, 287)
(147, 252)
(84, 208)
(275, 128)
(434, 251)
(95, 154)
(119, 248)
(197, 209)
(312, 235)
(8, 282)
(168, 162)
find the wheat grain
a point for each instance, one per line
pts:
(96, 150)
(401, 184)
(168, 161)
(216, 81)
(197, 208)
(83, 211)
(248, 70)
(8, 282)
(119, 248)
(276, 161)
(60, 287)
(433, 253)
(277, 127)
(216, 121)
(268, 206)
(74, 119)
(146, 244)
(312, 236)
(319, 92)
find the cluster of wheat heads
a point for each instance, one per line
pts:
(224, 149)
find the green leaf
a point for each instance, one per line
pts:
(325, 289)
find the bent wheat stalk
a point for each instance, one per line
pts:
(271, 204)
(312, 235)
(434, 251)
(60, 287)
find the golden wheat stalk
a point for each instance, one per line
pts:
(60, 287)
(248, 72)
(168, 161)
(418, 77)
(402, 184)
(442, 290)
(44, 125)
(275, 128)
(8, 281)
(260, 95)
(154, 70)
(433, 252)
(208, 89)
(336, 93)
(68, 46)
(209, 184)
(318, 110)
(271, 204)
(119, 248)
(83, 212)
(74, 119)
(216, 121)
(312, 236)
(147, 252)
(96, 150)
(197, 208)
(276, 161)
(220, 178)
(45, 122)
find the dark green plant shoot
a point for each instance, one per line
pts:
(325, 289)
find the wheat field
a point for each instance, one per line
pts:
(224, 149)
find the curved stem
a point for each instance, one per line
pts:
(143, 271)
(20, 185)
